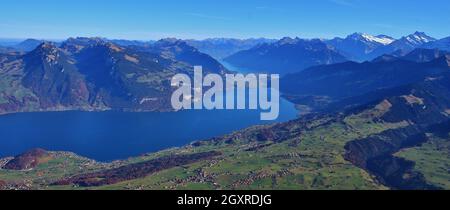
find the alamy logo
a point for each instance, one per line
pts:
(212, 92)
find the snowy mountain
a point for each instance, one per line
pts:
(358, 46)
(380, 39)
(419, 38)
(404, 45)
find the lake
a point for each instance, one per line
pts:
(107, 136)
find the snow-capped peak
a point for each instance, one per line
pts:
(419, 38)
(384, 40)
(381, 39)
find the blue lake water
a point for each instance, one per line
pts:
(107, 136)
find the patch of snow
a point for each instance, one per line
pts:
(418, 39)
(381, 40)
(147, 100)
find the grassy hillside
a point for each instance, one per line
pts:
(432, 160)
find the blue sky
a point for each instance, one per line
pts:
(154, 19)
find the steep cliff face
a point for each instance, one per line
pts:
(398, 173)
(425, 110)
(376, 155)
(388, 142)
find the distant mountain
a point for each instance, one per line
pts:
(75, 45)
(126, 43)
(86, 41)
(404, 45)
(286, 56)
(328, 84)
(424, 55)
(9, 42)
(419, 55)
(28, 45)
(386, 58)
(6, 49)
(89, 74)
(358, 46)
(220, 48)
(179, 50)
(441, 44)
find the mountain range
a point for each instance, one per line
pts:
(442, 44)
(220, 48)
(286, 56)
(404, 45)
(97, 73)
(292, 55)
(28, 45)
(375, 114)
(94, 74)
(319, 86)
(180, 50)
(359, 46)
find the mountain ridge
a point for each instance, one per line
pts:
(286, 56)
(96, 74)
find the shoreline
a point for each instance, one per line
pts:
(86, 110)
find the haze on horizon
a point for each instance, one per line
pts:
(200, 19)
